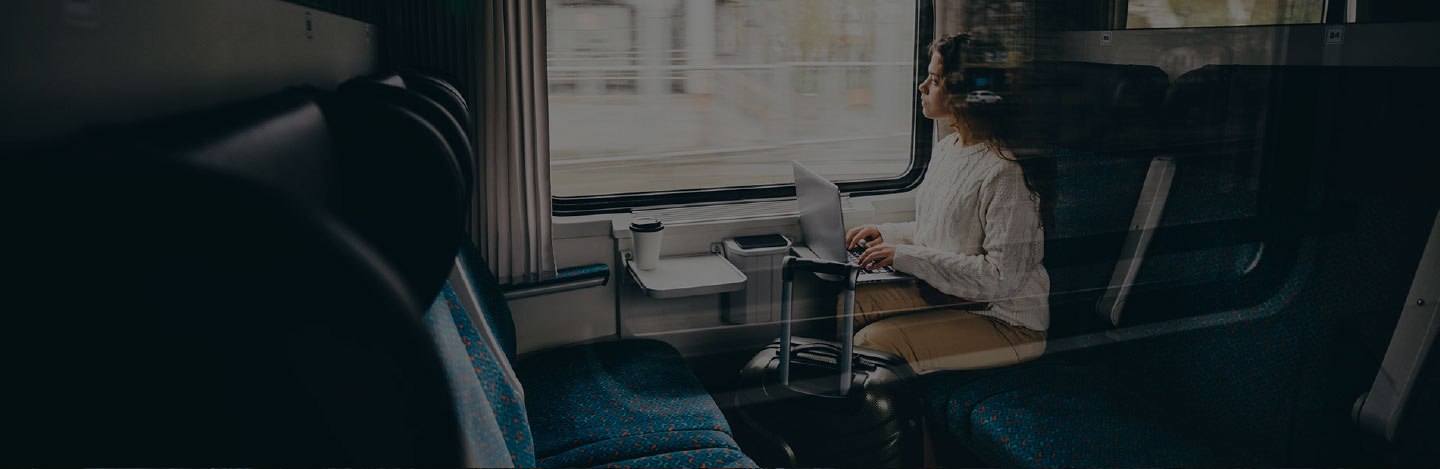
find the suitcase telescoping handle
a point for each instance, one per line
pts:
(849, 272)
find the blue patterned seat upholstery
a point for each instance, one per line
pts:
(1202, 192)
(614, 401)
(632, 403)
(662, 449)
(1087, 424)
(701, 458)
(1095, 197)
(955, 394)
(506, 404)
(481, 409)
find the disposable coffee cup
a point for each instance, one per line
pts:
(647, 233)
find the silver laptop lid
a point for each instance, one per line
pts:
(821, 222)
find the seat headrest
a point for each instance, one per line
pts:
(442, 92)
(1219, 103)
(383, 88)
(386, 172)
(1089, 106)
(173, 313)
(281, 139)
(400, 187)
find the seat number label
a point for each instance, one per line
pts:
(1334, 34)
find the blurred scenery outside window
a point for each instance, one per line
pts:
(659, 95)
(1197, 13)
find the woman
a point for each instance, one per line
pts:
(977, 236)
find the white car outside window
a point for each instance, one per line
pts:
(983, 96)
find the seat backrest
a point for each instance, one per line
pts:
(1106, 108)
(468, 316)
(1269, 360)
(401, 187)
(1237, 134)
(1381, 118)
(442, 92)
(490, 398)
(1217, 105)
(1094, 197)
(408, 209)
(165, 310)
(394, 89)
(1094, 120)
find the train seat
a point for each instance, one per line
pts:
(1105, 108)
(1086, 422)
(183, 297)
(1082, 114)
(616, 401)
(629, 403)
(1094, 122)
(1242, 366)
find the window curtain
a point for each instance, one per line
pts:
(512, 223)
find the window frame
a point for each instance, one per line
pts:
(922, 133)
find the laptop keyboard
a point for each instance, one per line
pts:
(853, 257)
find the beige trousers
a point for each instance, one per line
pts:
(933, 335)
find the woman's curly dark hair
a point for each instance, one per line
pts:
(992, 124)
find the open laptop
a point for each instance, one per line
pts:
(823, 226)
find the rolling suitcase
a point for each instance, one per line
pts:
(809, 402)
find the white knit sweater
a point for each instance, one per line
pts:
(977, 234)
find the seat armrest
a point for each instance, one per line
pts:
(572, 278)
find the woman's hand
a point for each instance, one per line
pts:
(868, 233)
(877, 256)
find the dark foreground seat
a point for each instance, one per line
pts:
(164, 311)
(238, 286)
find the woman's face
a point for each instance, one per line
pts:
(934, 100)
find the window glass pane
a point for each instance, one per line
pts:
(1196, 13)
(1384, 11)
(656, 95)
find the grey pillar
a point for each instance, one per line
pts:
(891, 86)
(654, 46)
(700, 44)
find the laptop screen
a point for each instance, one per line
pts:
(821, 222)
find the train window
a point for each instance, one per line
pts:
(1385, 11)
(1197, 13)
(676, 101)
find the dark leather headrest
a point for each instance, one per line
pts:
(385, 171)
(442, 92)
(164, 312)
(383, 87)
(1219, 103)
(281, 139)
(1088, 106)
(401, 189)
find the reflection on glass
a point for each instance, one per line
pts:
(1196, 13)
